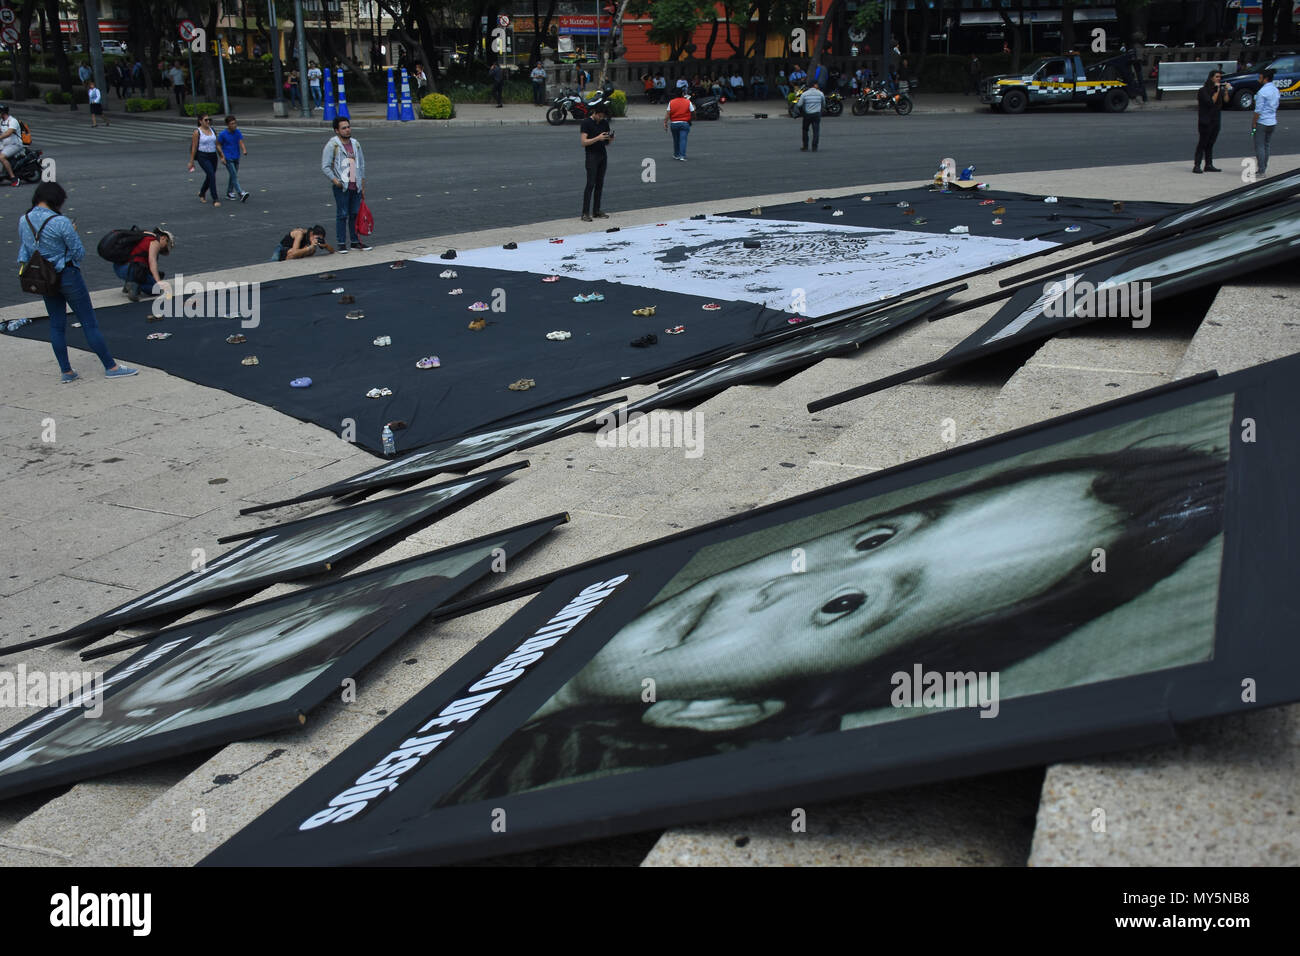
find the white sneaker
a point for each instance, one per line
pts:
(343, 250)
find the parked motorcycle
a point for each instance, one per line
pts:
(833, 106)
(876, 97)
(27, 164)
(572, 103)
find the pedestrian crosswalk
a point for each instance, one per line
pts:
(47, 133)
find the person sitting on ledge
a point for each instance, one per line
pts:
(301, 243)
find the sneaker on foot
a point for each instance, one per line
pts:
(121, 371)
(343, 250)
(243, 197)
(586, 217)
(362, 246)
(68, 377)
(600, 215)
(132, 290)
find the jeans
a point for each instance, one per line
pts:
(496, 93)
(1263, 134)
(539, 93)
(680, 132)
(232, 168)
(596, 163)
(785, 90)
(73, 292)
(208, 163)
(317, 97)
(139, 273)
(348, 202)
(815, 121)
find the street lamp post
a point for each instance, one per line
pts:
(305, 104)
(279, 108)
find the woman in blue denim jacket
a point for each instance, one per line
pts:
(60, 245)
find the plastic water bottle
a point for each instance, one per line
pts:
(967, 173)
(390, 446)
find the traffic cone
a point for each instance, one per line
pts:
(343, 98)
(392, 96)
(408, 111)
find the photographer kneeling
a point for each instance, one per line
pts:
(300, 243)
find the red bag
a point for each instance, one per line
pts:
(365, 220)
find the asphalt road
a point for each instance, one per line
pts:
(426, 181)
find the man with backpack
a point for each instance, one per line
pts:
(134, 254)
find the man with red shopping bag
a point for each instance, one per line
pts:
(345, 165)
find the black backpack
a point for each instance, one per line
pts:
(38, 275)
(117, 244)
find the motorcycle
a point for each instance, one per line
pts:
(572, 103)
(876, 97)
(27, 164)
(707, 106)
(833, 106)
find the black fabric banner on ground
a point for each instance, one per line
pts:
(286, 551)
(1082, 585)
(303, 332)
(243, 673)
(1024, 216)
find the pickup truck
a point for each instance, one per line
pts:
(1062, 79)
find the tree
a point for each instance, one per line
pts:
(822, 31)
(672, 22)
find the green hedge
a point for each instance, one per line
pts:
(437, 106)
(210, 108)
(33, 92)
(512, 91)
(138, 104)
(55, 97)
(618, 103)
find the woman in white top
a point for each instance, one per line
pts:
(203, 149)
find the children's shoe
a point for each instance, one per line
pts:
(243, 197)
(550, 278)
(67, 377)
(121, 371)
(648, 310)
(711, 307)
(430, 361)
(479, 307)
(447, 274)
(456, 292)
(477, 324)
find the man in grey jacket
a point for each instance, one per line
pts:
(810, 104)
(344, 165)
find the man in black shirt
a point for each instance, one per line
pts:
(595, 137)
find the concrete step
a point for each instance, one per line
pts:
(1224, 795)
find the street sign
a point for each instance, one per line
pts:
(9, 34)
(6, 15)
(503, 20)
(187, 30)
